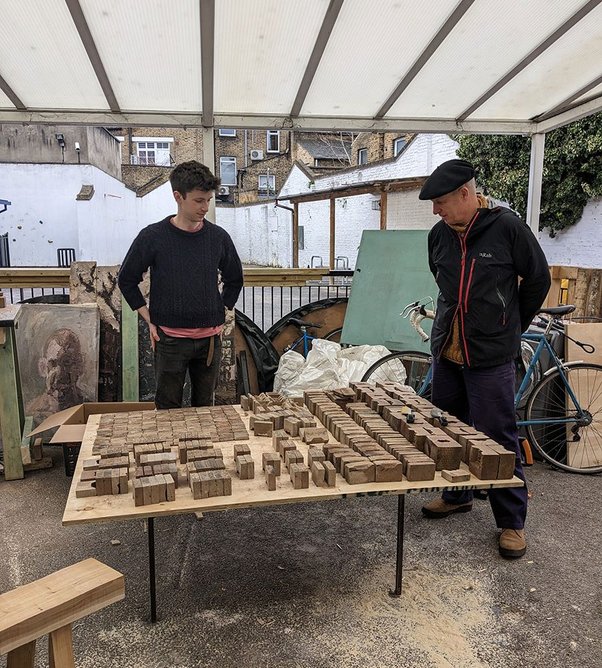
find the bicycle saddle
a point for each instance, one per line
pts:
(303, 323)
(558, 310)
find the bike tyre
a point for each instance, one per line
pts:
(387, 369)
(548, 401)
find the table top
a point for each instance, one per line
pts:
(245, 493)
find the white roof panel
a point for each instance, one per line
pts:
(543, 84)
(485, 45)
(261, 51)
(366, 58)
(43, 60)
(151, 55)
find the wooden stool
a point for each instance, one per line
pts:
(49, 606)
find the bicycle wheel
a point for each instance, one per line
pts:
(333, 335)
(408, 367)
(576, 444)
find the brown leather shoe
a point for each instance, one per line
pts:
(512, 543)
(438, 509)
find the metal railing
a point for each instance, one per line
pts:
(268, 293)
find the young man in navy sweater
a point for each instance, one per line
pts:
(186, 255)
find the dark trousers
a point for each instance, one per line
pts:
(485, 399)
(173, 358)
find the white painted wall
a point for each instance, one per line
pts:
(581, 244)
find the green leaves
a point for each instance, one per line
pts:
(572, 171)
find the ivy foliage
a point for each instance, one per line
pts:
(572, 170)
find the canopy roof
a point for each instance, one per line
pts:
(520, 66)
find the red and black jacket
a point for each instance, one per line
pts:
(478, 278)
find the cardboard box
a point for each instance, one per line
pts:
(71, 422)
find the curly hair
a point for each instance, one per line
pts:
(192, 175)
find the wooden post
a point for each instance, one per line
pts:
(383, 210)
(332, 231)
(129, 353)
(295, 234)
(10, 407)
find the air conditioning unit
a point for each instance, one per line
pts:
(134, 160)
(256, 154)
(223, 191)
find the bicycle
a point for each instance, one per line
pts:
(303, 342)
(563, 406)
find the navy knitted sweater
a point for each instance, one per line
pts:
(183, 274)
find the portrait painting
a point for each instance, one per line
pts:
(57, 350)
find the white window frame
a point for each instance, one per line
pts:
(362, 156)
(396, 150)
(227, 132)
(269, 181)
(227, 160)
(271, 134)
(162, 155)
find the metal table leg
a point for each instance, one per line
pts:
(401, 501)
(151, 568)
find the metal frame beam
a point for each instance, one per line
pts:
(207, 15)
(530, 57)
(574, 114)
(85, 35)
(262, 122)
(565, 105)
(330, 19)
(11, 95)
(535, 180)
(424, 57)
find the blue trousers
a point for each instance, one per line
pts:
(484, 398)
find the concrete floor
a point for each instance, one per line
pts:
(306, 585)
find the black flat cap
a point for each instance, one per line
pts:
(449, 176)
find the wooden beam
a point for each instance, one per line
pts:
(394, 185)
(10, 408)
(295, 234)
(51, 603)
(333, 204)
(130, 387)
(383, 210)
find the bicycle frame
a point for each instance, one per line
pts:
(306, 338)
(543, 343)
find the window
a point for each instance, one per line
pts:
(273, 141)
(227, 132)
(362, 156)
(399, 145)
(267, 184)
(153, 150)
(227, 171)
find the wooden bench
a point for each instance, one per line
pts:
(49, 606)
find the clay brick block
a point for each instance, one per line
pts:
(314, 435)
(330, 474)
(457, 475)
(284, 446)
(344, 461)
(245, 467)
(318, 474)
(277, 436)
(484, 462)
(271, 459)
(446, 453)
(263, 427)
(315, 455)
(241, 449)
(244, 402)
(299, 476)
(293, 457)
(137, 492)
(507, 462)
(358, 473)
(419, 469)
(270, 477)
(84, 489)
(291, 426)
(388, 470)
